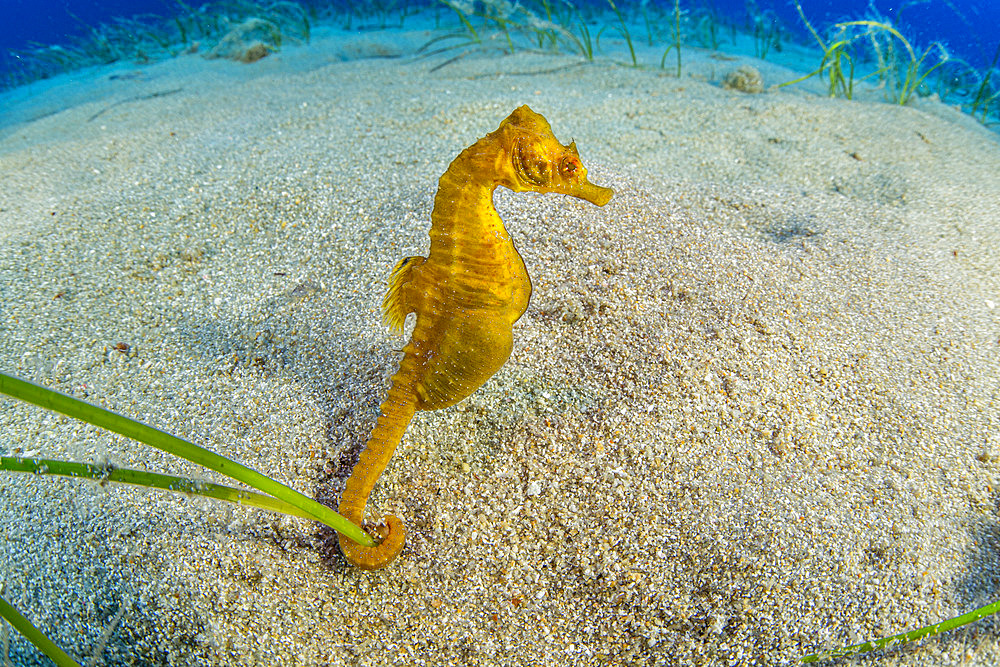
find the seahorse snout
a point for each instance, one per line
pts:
(595, 194)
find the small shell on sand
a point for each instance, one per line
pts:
(745, 78)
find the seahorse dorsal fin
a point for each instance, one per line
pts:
(396, 304)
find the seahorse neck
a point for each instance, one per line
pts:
(464, 214)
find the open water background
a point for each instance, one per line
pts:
(967, 28)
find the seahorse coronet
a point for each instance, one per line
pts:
(467, 294)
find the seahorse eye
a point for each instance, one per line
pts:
(530, 164)
(568, 166)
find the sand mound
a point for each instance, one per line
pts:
(751, 411)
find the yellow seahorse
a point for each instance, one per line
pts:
(467, 294)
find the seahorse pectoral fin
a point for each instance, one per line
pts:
(396, 304)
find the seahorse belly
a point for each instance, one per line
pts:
(469, 348)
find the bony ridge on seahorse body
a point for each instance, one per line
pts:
(467, 294)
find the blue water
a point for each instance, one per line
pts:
(968, 28)
(23, 22)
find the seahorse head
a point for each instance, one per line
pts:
(533, 159)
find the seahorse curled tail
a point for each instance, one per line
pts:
(395, 414)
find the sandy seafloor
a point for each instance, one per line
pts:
(751, 412)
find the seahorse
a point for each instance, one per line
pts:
(467, 294)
